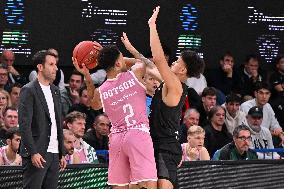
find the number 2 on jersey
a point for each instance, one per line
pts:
(127, 109)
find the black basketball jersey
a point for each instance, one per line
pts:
(165, 122)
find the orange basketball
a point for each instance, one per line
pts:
(85, 53)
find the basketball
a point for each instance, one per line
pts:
(85, 53)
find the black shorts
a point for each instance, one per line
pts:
(167, 164)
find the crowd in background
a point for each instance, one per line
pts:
(229, 111)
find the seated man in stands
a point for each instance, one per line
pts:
(15, 94)
(9, 153)
(75, 121)
(208, 97)
(194, 150)
(10, 119)
(8, 58)
(191, 117)
(234, 116)
(261, 136)
(247, 76)
(70, 95)
(222, 77)
(216, 133)
(97, 137)
(69, 143)
(262, 94)
(239, 148)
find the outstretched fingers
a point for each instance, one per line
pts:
(154, 16)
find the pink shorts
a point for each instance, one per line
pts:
(131, 158)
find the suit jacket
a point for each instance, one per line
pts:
(35, 122)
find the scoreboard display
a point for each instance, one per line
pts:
(208, 27)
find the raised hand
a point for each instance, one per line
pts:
(127, 43)
(152, 20)
(83, 70)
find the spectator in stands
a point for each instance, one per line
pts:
(234, 116)
(262, 95)
(261, 136)
(222, 77)
(216, 133)
(194, 150)
(191, 117)
(151, 85)
(75, 121)
(4, 77)
(59, 79)
(5, 101)
(8, 59)
(15, 94)
(10, 119)
(247, 76)
(208, 101)
(239, 148)
(70, 95)
(69, 144)
(85, 107)
(277, 93)
(9, 153)
(97, 137)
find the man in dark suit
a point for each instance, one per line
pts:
(41, 126)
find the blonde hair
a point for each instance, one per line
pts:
(195, 129)
(5, 93)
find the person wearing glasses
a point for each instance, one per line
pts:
(238, 149)
(262, 95)
(7, 58)
(261, 136)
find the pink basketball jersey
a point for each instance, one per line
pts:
(124, 101)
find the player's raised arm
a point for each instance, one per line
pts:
(93, 93)
(139, 67)
(173, 88)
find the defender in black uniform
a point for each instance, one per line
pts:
(166, 107)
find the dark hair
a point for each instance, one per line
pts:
(227, 53)
(261, 85)
(209, 91)
(233, 97)
(9, 108)
(213, 111)
(40, 56)
(108, 56)
(96, 120)
(240, 128)
(11, 132)
(251, 56)
(18, 85)
(194, 64)
(76, 72)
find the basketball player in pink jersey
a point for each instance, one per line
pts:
(123, 98)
